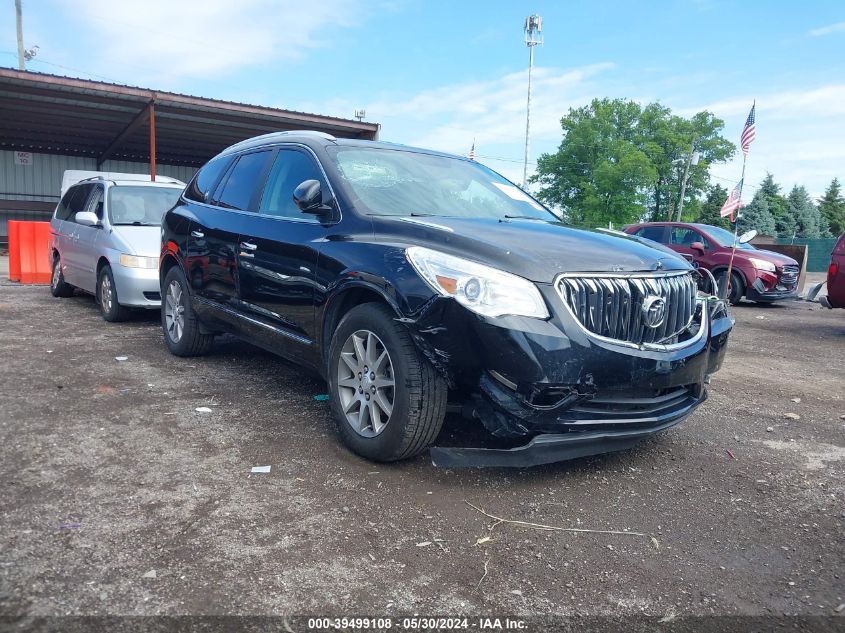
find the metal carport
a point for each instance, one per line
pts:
(69, 123)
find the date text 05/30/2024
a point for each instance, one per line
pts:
(415, 624)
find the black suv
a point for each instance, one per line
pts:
(415, 281)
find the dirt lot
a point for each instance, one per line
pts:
(119, 497)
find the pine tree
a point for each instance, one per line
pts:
(809, 221)
(832, 207)
(778, 208)
(709, 214)
(757, 216)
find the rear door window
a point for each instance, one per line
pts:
(241, 184)
(655, 233)
(204, 182)
(290, 169)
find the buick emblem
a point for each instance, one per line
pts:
(654, 311)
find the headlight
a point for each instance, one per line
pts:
(133, 261)
(762, 264)
(480, 288)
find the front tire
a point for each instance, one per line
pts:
(58, 286)
(737, 288)
(180, 325)
(387, 400)
(111, 310)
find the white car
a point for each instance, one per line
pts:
(105, 239)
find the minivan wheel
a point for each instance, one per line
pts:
(181, 329)
(58, 286)
(388, 401)
(111, 310)
(737, 288)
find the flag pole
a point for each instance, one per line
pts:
(736, 230)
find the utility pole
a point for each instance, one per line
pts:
(533, 36)
(692, 159)
(19, 21)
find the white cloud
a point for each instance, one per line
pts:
(827, 30)
(207, 37)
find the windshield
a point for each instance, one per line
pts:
(726, 238)
(140, 206)
(403, 183)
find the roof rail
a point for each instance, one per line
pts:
(256, 140)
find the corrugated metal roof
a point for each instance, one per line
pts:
(49, 113)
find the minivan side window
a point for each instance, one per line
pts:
(204, 182)
(95, 204)
(78, 201)
(243, 180)
(290, 169)
(63, 210)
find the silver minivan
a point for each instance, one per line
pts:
(105, 239)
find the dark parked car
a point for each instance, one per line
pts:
(414, 281)
(758, 275)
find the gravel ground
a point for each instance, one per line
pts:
(120, 497)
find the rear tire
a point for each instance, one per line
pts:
(58, 286)
(737, 287)
(397, 379)
(107, 297)
(178, 321)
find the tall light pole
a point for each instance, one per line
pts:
(19, 23)
(533, 36)
(692, 159)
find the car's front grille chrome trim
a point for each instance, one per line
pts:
(609, 306)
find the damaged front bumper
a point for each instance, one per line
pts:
(553, 391)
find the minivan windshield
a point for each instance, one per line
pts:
(140, 206)
(725, 238)
(400, 182)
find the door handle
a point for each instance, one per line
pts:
(249, 246)
(197, 234)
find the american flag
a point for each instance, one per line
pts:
(471, 154)
(733, 202)
(748, 132)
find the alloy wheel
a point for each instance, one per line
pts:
(174, 311)
(106, 294)
(57, 273)
(365, 383)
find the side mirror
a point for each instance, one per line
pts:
(86, 218)
(308, 196)
(747, 236)
(697, 246)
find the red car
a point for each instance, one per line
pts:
(836, 277)
(758, 275)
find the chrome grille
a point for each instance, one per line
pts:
(611, 305)
(789, 274)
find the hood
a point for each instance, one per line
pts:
(535, 249)
(777, 259)
(140, 240)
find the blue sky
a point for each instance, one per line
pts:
(440, 74)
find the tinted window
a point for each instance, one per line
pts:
(78, 201)
(203, 183)
(242, 181)
(63, 210)
(290, 169)
(651, 233)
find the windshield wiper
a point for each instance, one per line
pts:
(406, 215)
(522, 217)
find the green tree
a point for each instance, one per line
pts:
(832, 207)
(785, 224)
(622, 162)
(809, 221)
(712, 205)
(598, 174)
(757, 216)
